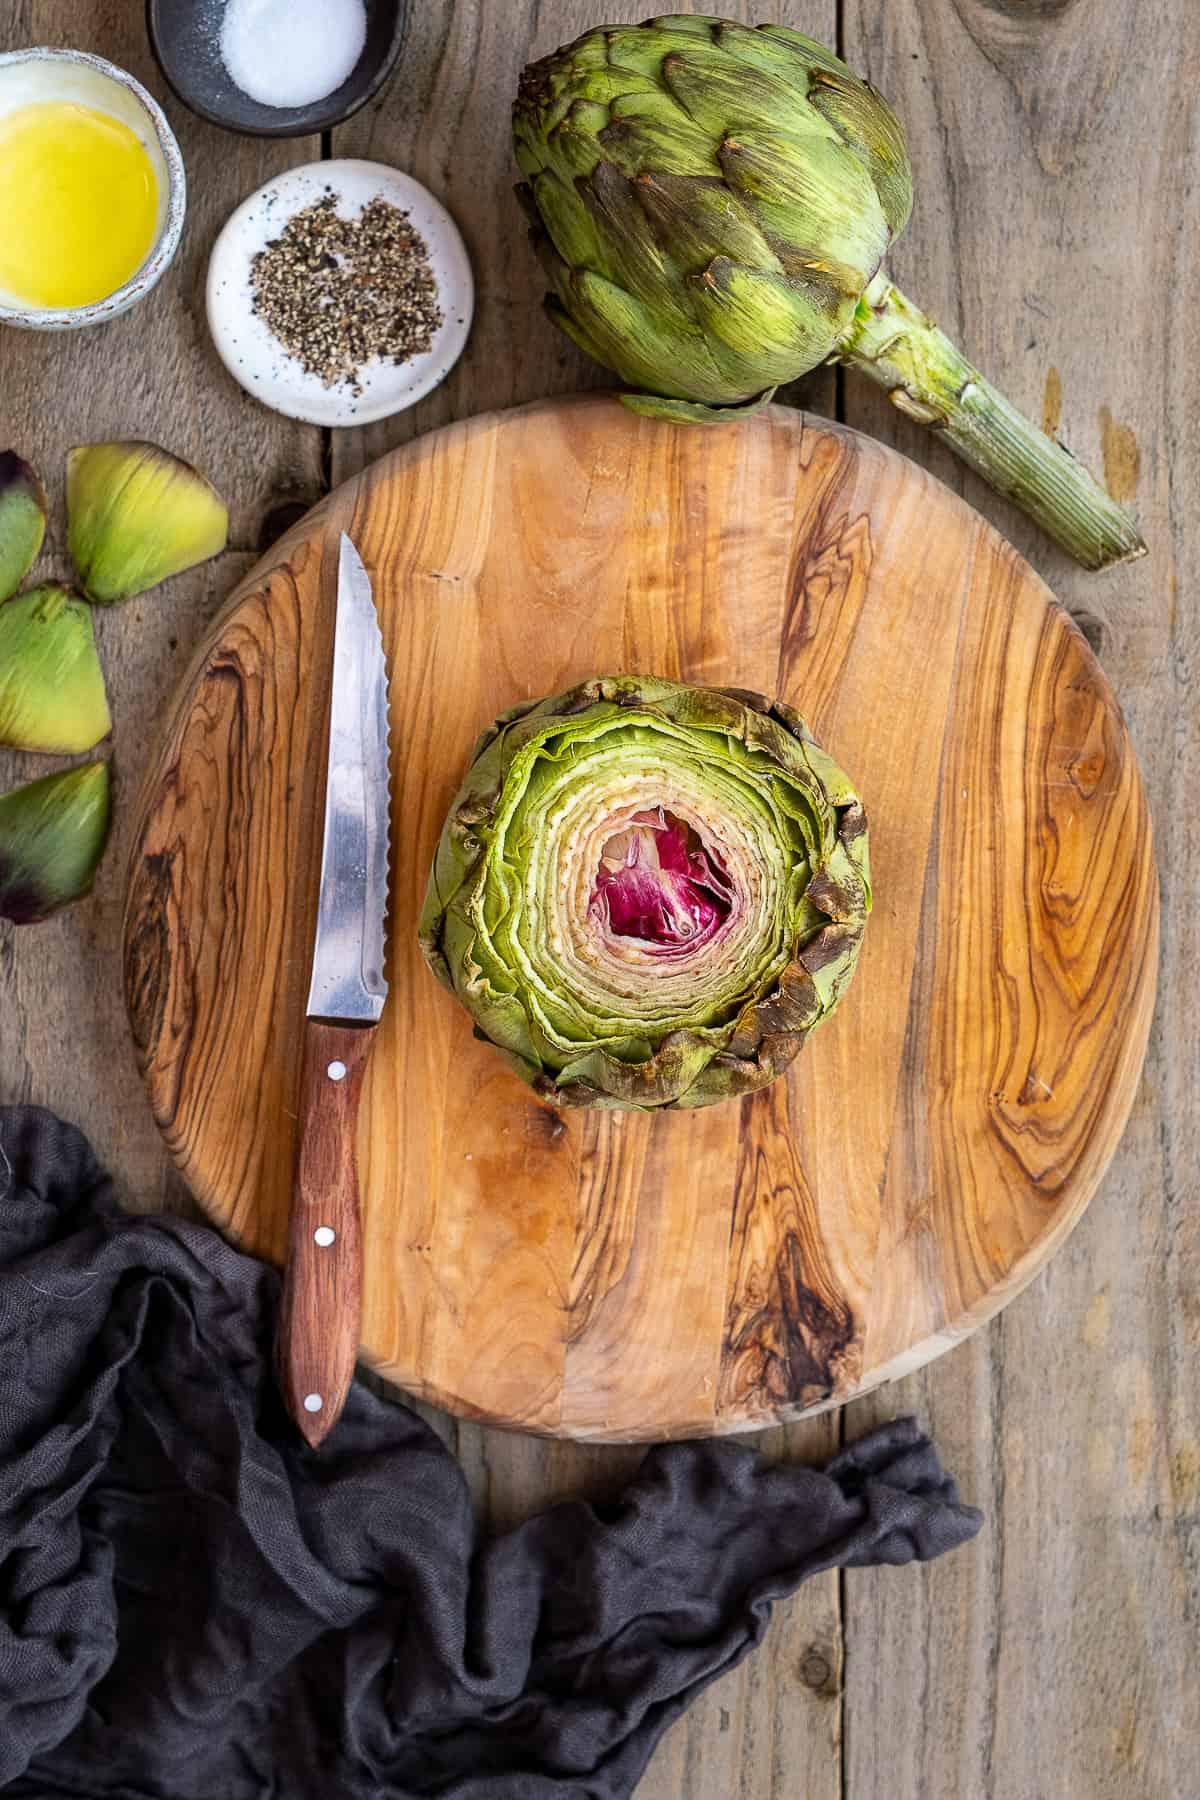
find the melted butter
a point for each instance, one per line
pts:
(78, 204)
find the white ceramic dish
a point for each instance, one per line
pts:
(256, 359)
(29, 76)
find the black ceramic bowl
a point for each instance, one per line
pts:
(185, 37)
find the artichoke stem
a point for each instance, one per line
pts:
(928, 379)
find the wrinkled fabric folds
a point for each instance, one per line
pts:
(194, 1605)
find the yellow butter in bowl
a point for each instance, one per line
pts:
(80, 202)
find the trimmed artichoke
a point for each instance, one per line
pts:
(136, 514)
(647, 894)
(52, 836)
(51, 683)
(713, 203)
(22, 520)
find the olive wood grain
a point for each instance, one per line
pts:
(614, 1276)
(1074, 1419)
(322, 1284)
(1057, 1661)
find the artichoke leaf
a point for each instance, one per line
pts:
(692, 412)
(777, 50)
(617, 87)
(575, 329)
(699, 25)
(635, 51)
(52, 694)
(824, 197)
(52, 836)
(135, 515)
(645, 137)
(22, 520)
(807, 50)
(866, 123)
(634, 337)
(759, 321)
(571, 148)
(714, 93)
(698, 221)
(568, 220)
(632, 258)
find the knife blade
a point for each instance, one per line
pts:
(322, 1289)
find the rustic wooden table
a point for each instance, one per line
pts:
(1057, 172)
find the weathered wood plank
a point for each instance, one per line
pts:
(64, 1039)
(153, 372)
(770, 1729)
(762, 1733)
(1054, 147)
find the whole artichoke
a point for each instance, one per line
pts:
(713, 203)
(648, 894)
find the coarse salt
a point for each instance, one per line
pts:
(291, 52)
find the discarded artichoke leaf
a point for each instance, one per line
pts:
(51, 684)
(135, 515)
(647, 894)
(22, 520)
(52, 836)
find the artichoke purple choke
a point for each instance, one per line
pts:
(646, 894)
(713, 203)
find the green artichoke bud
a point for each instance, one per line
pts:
(51, 684)
(716, 199)
(52, 836)
(647, 894)
(22, 520)
(136, 514)
(713, 203)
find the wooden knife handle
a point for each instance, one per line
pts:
(322, 1283)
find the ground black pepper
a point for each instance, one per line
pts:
(338, 293)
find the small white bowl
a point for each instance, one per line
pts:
(256, 358)
(27, 76)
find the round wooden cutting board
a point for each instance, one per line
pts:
(606, 1275)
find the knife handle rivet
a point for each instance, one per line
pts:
(336, 1071)
(313, 1403)
(324, 1235)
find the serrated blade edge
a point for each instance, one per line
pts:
(348, 981)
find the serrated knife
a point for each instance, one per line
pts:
(322, 1288)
